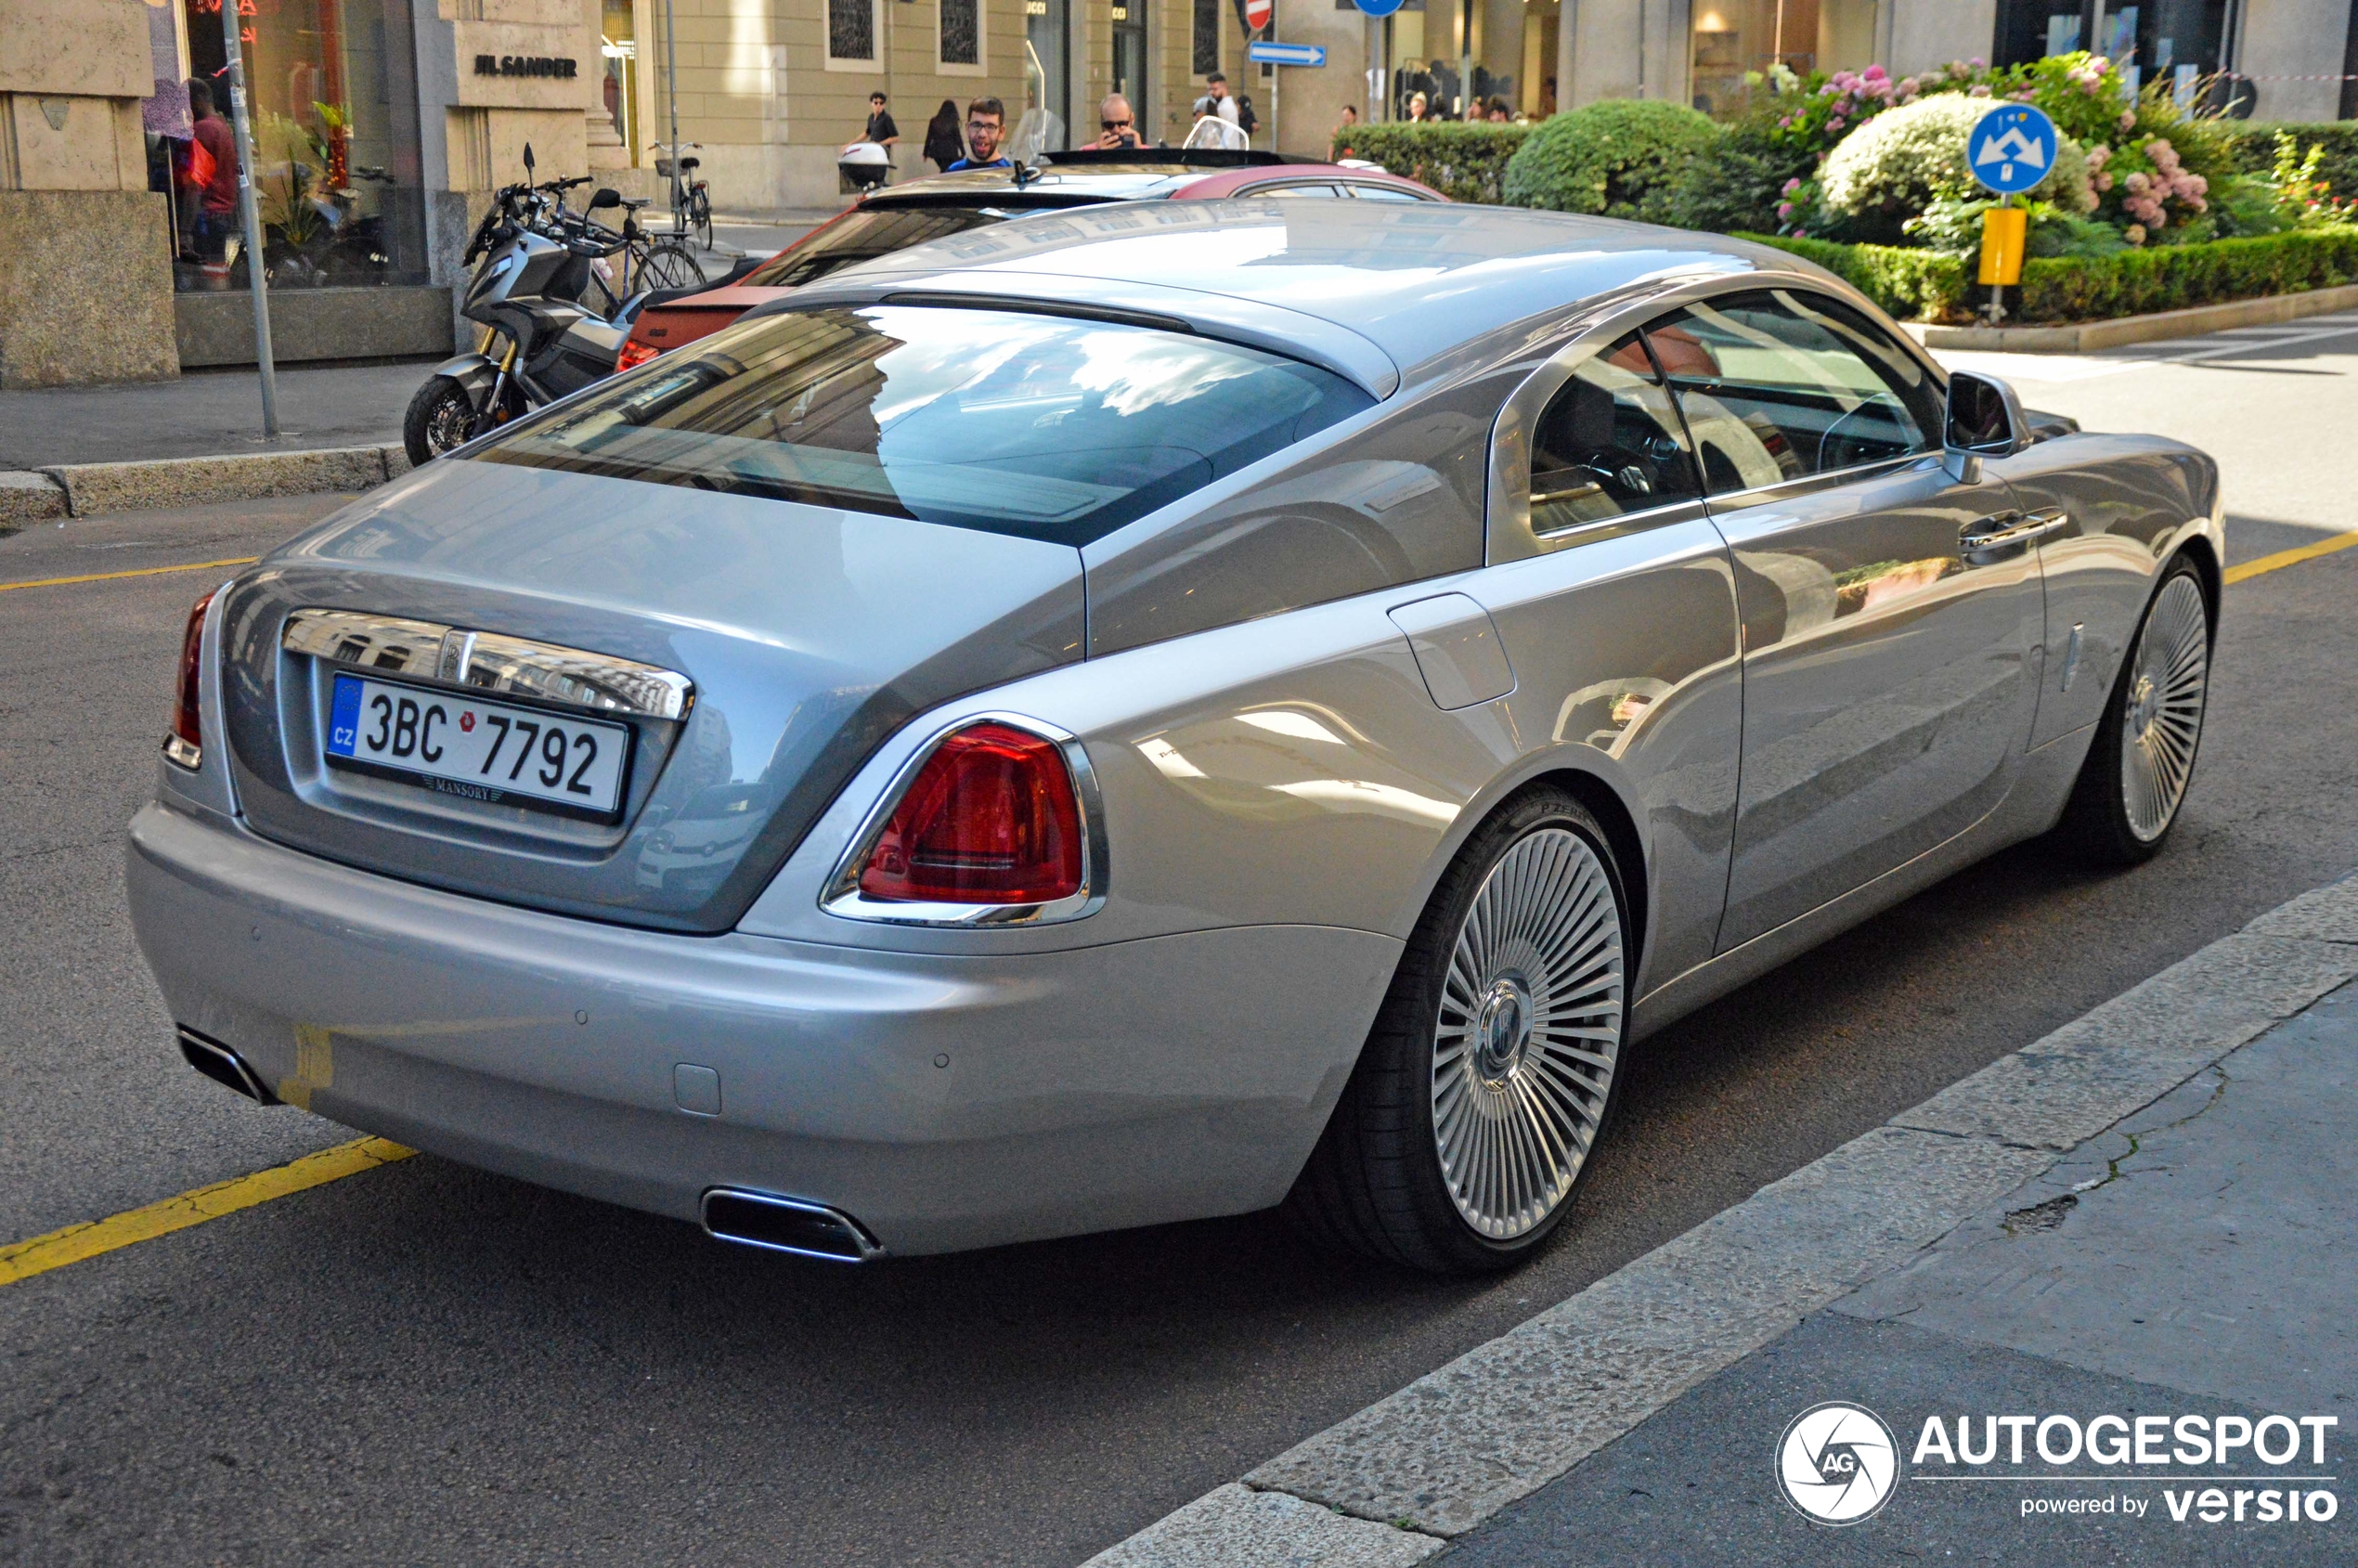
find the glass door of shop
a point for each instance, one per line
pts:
(1129, 18)
(1047, 78)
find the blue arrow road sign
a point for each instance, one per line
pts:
(1379, 8)
(2012, 148)
(1286, 54)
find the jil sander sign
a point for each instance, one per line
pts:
(525, 65)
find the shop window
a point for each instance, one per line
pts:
(618, 65)
(1206, 38)
(2175, 41)
(332, 92)
(1732, 37)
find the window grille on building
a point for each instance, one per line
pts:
(1207, 37)
(852, 30)
(961, 31)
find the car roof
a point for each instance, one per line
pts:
(1096, 182)
(1414, 280)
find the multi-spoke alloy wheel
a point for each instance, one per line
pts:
(1490, 1072)
(2142, 756)
(1528, 1033)
(2162, 718)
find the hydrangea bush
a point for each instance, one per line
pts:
(1899, 164)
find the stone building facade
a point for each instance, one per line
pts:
(383, 125)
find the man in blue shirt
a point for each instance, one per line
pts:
(986, 123)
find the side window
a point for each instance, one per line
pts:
(1373, 192)
(1264, 191)
(1608, 444)
(1779, 384)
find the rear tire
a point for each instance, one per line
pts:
(2142, 758)
(1495, 1060)
(670, 264)
(439, 418)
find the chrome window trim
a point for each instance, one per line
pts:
(488, 662)
(1594, 326)
(841, 896)
(1808, 484)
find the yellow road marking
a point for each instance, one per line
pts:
(141, 572)
(2292, 557)
(22, 1260)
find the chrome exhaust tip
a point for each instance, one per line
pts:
(787, 1225)
(224, 1066)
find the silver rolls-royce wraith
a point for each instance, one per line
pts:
(1151, 713)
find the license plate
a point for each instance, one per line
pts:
(478, 750)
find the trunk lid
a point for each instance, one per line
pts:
(808, 635)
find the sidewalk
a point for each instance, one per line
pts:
(207, 413)
(2147, 1215)
(2201, 1257)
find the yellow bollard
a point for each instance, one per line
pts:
(2002, 233)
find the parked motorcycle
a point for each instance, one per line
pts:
(541, 340)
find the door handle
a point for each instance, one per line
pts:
(2001, 530)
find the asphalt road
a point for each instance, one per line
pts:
(427, 1363)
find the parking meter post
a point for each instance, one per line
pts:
(250, 213)
(2004, 229)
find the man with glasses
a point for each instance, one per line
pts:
(1118, 125)
(985, 125)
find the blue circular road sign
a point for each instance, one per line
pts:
(2012, 148)
(1378, 8)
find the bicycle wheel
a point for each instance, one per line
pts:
(700, 217)
(669, 264)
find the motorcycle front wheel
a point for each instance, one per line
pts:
(440, 417)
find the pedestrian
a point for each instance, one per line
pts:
(1117, 126)
(1498, 113)
(1247, 121)
(1349, 117)
(1419, 111)
(216, 206)
(943, 144)
(881, 130)
(1216, 99)
(986, 123)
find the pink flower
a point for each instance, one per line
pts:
(1976, 62)
(2128, 119)
(1873, 72)
(2138, 181)
(2135, 234)
(1835, 123)
(1791, 186)
(1784, 211)
(1978, 90)
(2104, 181)
(2195, 185)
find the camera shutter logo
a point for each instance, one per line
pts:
(1838, 1463)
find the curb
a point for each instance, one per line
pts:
(1394, 1483)
(88, 489)
(2089, 336)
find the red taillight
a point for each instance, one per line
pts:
(186, 744)
(634, 355)
(990, 819)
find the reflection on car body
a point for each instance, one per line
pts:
(1171, 710)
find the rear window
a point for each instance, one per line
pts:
(864, 236)
(1047, 427)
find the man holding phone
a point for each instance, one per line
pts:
(1118, 124)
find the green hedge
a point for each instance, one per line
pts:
(1462, 160)
(2174, 277)
(1937, 286)
(1620, 157)
(1911, 284)
(2252, 144)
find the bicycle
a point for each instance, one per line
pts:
(691, 198)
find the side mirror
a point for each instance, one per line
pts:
(527, 158)
(1984, 419)
(604, 197)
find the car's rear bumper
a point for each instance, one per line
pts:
(942, 1101)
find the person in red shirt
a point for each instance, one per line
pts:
(216, 215)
